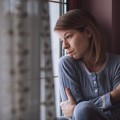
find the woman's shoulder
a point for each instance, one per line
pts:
(67, 60)
(114, 57)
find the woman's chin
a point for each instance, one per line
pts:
(75, 57)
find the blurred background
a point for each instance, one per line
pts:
(30, 51)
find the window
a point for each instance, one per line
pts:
(57, 8)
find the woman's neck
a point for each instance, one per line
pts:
(91, 63)
(92, 66)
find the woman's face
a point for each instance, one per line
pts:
(75, 43)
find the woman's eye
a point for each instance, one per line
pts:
(68, 37)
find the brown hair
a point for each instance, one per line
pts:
(78, 19)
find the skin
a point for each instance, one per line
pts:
(74, 42)
(115, 95)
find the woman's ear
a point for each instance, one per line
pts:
(89, 32)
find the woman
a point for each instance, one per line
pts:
(89, 77)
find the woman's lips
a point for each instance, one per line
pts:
(71, 53)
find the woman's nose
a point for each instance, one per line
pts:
(65, 44)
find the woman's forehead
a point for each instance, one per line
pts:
(66, 31)
(63, 33)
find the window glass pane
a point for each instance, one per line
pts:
(54, 15)
(56, 9)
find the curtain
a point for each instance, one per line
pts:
(26, 85)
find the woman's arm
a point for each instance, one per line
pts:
(68, 106)
(115, 95)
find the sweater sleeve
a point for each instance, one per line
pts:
(68, 79)
(116, 71)
(102, 102)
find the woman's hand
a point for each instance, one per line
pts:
(115, 95)
(68, 105)
(118, 87)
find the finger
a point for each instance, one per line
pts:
(69, 95)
